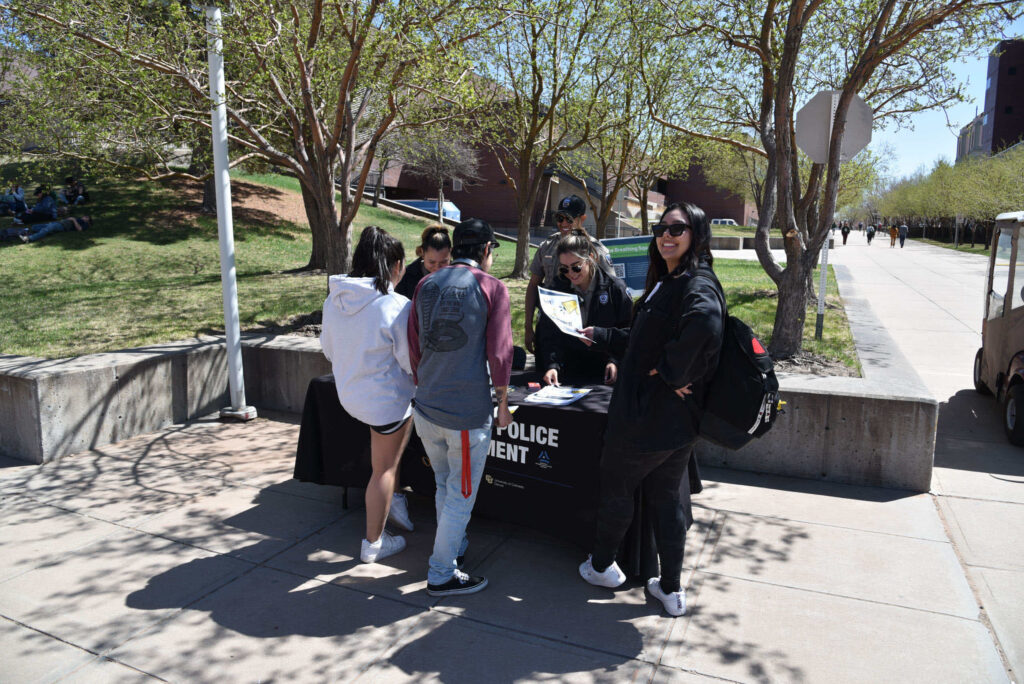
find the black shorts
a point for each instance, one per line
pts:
(390, 428)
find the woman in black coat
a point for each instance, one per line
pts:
(668, 354)
(604, 301)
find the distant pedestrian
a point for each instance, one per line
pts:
(845, 231)
(903, 230)
(870, 234)
(893, 234)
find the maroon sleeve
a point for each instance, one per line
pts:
(414, 335)
(499, 328)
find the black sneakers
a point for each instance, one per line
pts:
(460, 583)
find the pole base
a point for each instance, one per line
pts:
(819, 326)
(238, 415)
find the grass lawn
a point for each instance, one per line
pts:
(149, 272)
(733, 231)
(964, 249)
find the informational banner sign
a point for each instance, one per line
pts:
(630, 260)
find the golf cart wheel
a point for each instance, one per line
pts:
(979, 384)
(1013, 414)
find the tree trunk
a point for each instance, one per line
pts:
(209, 196)
(521, 269)
(331, 240)
(199, 164)
(644, 222)
(788, 332)
(378, 186)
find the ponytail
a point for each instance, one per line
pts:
(375, 256)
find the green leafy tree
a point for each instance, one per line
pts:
(311, 87)
(540, 81)
(763, 58)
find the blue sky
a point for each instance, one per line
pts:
(931, 138)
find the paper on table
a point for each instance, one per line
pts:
(557, 396)
(564, 309)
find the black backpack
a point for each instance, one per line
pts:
(742, 398)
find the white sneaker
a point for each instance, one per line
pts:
(675, 602)
(387, 545)
(399, 512)
(611, 577)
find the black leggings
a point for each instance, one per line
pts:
(666, 493)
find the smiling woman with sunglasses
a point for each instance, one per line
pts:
(668, 354)
(604, 301)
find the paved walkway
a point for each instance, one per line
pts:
(929, 303)
(190, 555)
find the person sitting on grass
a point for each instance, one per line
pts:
(38, 232)
(45, 208)
(74, 192)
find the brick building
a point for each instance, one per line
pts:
(1001, 123)
(492, 198)
(717, 204)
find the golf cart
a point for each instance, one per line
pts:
(999, 364)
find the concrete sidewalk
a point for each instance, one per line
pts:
(190, 555)
(928, 302)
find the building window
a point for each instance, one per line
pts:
(984, 119)
(988, 83)
(1012, 71)
(457, 185)
(1008, 110)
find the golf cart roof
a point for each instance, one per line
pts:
(1017, 216)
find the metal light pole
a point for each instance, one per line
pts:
(229, 288)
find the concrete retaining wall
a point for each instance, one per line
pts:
(847, 430)
(53, 407)
(775, 243)
(278, 370)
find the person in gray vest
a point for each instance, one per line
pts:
(572, 212)
(459, 327)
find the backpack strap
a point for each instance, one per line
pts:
(713, 279)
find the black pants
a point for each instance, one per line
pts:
(666, 491)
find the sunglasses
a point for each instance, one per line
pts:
(576, 268)
(674, 229)
(563, 218)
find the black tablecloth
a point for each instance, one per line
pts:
(542, 471)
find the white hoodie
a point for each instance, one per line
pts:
(365, 337)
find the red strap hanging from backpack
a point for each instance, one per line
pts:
(467, 473)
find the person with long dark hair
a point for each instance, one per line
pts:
(668, 355)
(433, 252)
(365, 336)
(604, 301)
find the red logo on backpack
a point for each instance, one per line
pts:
(758, 349)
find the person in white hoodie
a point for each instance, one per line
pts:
(365, 337)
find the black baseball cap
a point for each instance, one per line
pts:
(572, 206)
(473, 232)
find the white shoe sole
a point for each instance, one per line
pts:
(458, 592)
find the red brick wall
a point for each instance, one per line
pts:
(715, 203)
(491, 198)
